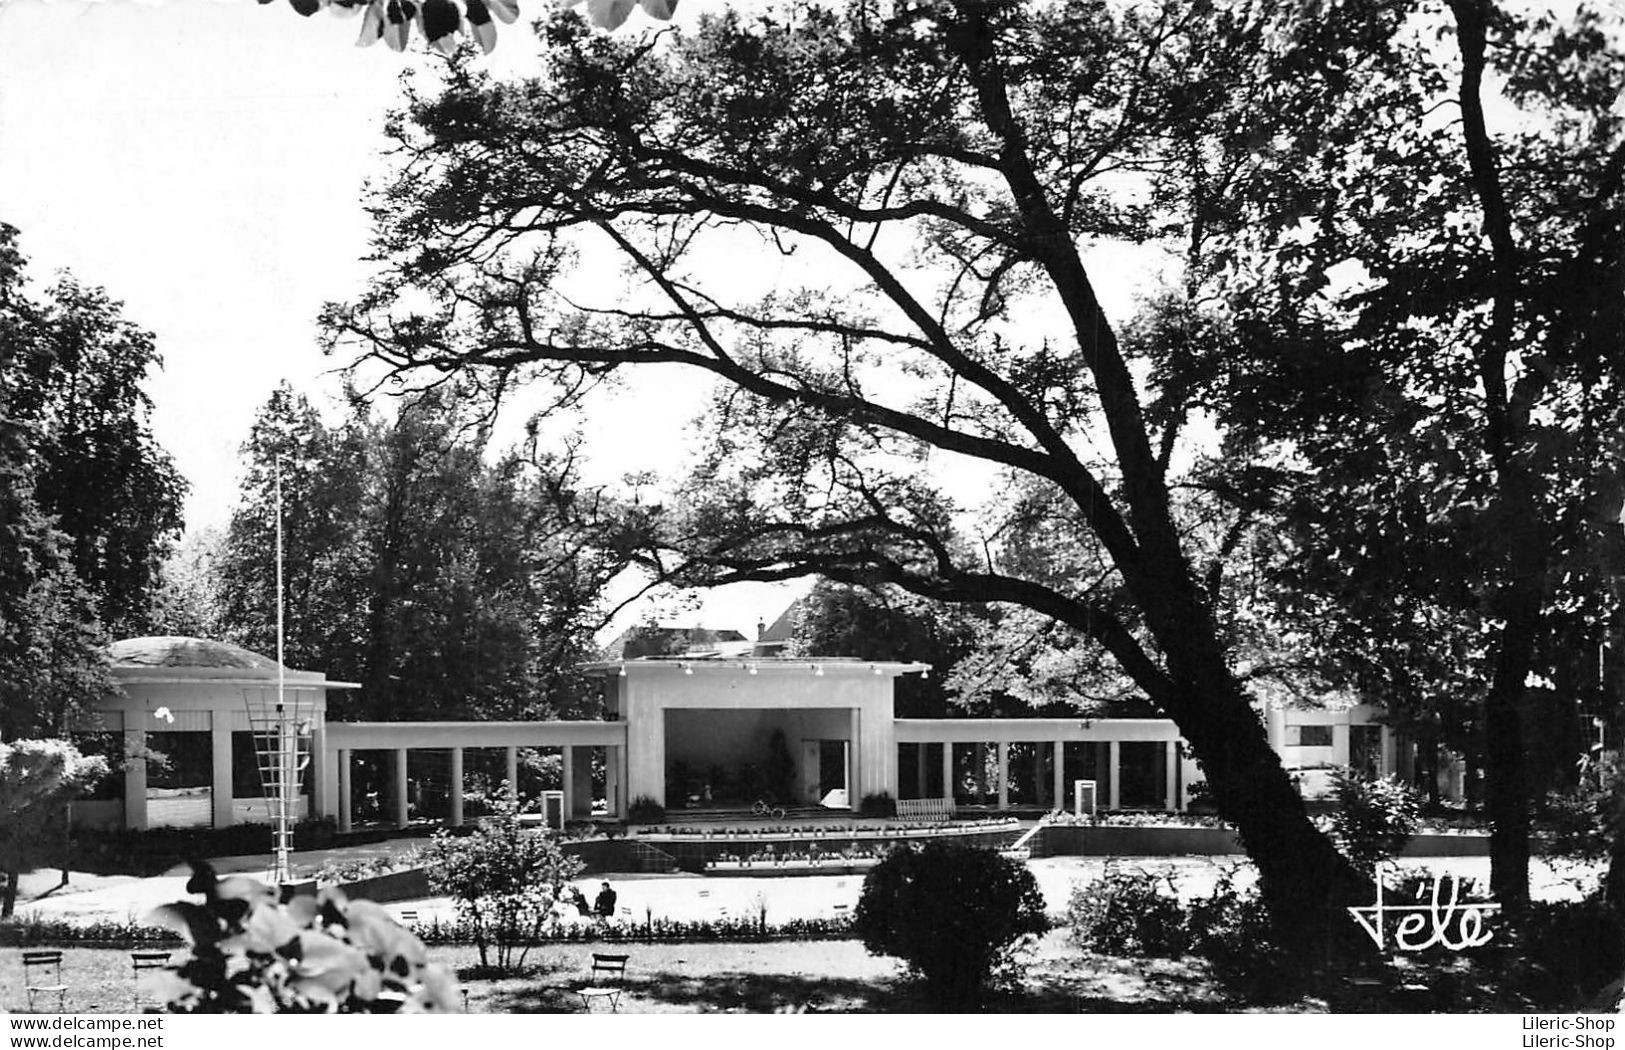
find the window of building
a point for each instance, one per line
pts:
(1309, 736)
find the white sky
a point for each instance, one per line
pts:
(202, 161)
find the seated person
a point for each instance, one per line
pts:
(605, 905)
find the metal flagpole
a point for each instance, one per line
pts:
(285, 774)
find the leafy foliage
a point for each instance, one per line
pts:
(878, 804)
(37, 777)
(1128, 913)
(253, 953)
(1413, 350)
(504, 879)
(1137, 914)
(1375, 817)
(50, 620)
(956, 915)
(645, 810)
(448, 586)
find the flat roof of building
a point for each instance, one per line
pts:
(818, 665)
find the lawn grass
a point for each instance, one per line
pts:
(758, 977)
(819, 977)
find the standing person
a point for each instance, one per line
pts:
(605, 905)
(579, 899)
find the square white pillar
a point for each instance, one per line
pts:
(135, 774)
(567, 772)
(1058, 799)
(321, 774)
(344, 790)
(513, 774)
(948, 770)
(624, 787)
(854, 767)
(1170, 757)
(1114, 772)
(456, 814)
(1004, 775)
(220, 768)
(402, 813)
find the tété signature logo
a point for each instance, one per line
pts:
(1446, 920)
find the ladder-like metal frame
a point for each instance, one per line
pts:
(281, 727)
(280, 722)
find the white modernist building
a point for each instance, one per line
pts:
(703, 733)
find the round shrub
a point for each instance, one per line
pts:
(1128, 913)
(879, 804)
(645, 810)
(956, 915)
(1375, 817)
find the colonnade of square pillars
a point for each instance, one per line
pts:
(577, 781)
(1059, 798)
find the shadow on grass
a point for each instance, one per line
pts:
(757, 993)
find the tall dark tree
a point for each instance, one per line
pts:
(446, 585)
(102, 477)
(941, 168)
(51, 666)
(1422, 335)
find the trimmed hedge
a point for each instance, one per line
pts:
(29, 933)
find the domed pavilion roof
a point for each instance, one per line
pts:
(176, 654)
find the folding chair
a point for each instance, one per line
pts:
(145, 960)
(50, 960)
(611, 971)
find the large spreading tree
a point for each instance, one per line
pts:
(926, 179)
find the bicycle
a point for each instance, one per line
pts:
(762, 808)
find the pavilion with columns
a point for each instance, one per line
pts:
(707, 733)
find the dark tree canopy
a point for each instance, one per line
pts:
(75, 373)
(447, 585)
(1420, 284)
(51, 621)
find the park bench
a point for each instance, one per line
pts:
(608, 971)
(925, 809)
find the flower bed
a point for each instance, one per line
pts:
(889, 829)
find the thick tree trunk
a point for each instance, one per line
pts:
(1506, 794)
(8, 899)
(1304, 880)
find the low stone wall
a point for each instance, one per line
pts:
(1108, 840)
(407, 885)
